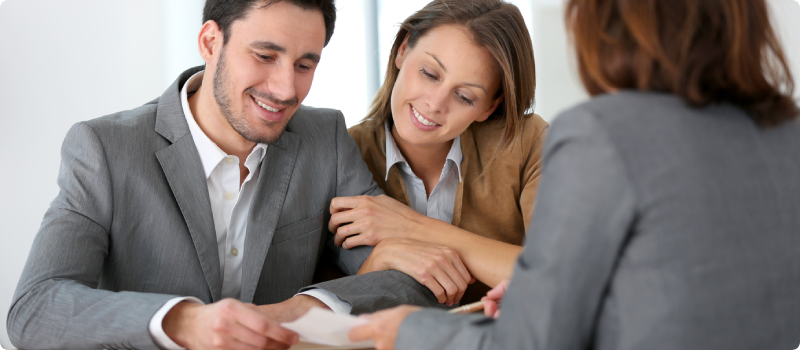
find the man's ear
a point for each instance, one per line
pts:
(402, 51)
(491, 109)
(209, 42)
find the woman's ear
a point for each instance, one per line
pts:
(402, 51)
(491, 109)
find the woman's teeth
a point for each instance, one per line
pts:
(421, 119)
(265, 106)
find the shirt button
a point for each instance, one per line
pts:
(230, 160)
(228, 195)
(234, 251)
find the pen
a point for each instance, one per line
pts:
(465, 309)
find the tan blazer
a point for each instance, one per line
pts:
(495, 199)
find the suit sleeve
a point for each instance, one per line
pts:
(376, 290)
(586, 206)
(57, 304)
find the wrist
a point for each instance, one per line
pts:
(177, 322)
(292, 308)
(423, 224)
(300, 304)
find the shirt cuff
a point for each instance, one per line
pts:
(157, 331)
(338, 306)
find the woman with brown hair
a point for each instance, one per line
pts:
(668, 211)
(449, 141)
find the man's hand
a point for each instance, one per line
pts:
(227, 324)
(368, 220)
(492, 308)
(437, 267)
(291, 309)
(383, 326)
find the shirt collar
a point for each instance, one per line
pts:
(393, 155)
(210, 153)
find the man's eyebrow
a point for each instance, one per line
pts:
(445, 70)
(311, 56)
(268, 45)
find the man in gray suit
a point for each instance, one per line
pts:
(219, 189)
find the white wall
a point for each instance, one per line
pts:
(63, 62)
(67, 61)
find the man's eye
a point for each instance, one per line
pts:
(266, 57)
(303, 68)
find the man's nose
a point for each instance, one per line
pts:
(281, 83)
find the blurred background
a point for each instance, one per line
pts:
(66, 61)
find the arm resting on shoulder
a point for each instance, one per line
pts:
(370, 292)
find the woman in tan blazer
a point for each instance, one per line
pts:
(450, 122)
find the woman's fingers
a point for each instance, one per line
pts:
(453, 281)
(498, 291)
(442, 274)
(345, 203)
(359, 230)
(353, 241)
(489, 307)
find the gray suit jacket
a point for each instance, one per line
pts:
(132, 227)
(657, 226)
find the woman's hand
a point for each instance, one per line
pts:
(437, 267)
(367, 220)
(383, 326)
(492, 308)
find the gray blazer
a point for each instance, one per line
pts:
(132, 227)
(657, 226)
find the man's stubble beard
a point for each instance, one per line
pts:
(239, 121)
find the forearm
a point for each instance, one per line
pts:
(379, 290)
(55, 315)
(489, 261)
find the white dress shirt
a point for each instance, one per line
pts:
(230, 204)
(439, 205)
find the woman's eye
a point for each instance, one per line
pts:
(465, 99)
(428, 74)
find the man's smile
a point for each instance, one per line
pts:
(265, 106)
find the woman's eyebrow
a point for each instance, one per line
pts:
(437, 61)
(479, 86)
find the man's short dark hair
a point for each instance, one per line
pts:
(225, 12)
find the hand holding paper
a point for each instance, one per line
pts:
(322, 326)
(382, 326)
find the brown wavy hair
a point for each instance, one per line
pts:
(704, 51)
(494, 24)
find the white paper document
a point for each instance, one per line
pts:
(324, 327)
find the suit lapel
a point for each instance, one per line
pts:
(184, 172)
(273, 183)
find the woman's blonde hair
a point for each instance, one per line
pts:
(494, 24)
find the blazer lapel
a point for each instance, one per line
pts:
(273, 183)
(184, 171)
(467, 150)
